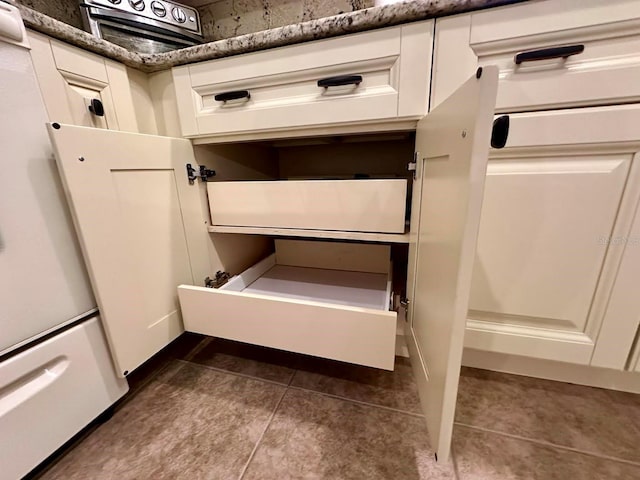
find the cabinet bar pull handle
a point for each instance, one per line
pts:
(340, 80)
(547, 53)
(235, 95)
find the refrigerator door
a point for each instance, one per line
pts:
(43, 281)
(48, 393)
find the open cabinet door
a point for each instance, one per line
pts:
(141, 227)
(452, 145)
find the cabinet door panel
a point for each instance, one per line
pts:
(452, 145)
(555, 197)
(141, 226)
(540, 248)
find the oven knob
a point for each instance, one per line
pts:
(179, 15)
(137, 4)
(158, 9)
(115, 2)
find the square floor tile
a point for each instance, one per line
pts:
(313, 436)
(395, 389)
(589, 419)
(487, 456)
(252, 360)
(189, 422)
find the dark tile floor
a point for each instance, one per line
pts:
(213, 409)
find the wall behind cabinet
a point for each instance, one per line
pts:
(229, 18)
(67, 11)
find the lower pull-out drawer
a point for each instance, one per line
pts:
(371, 205)
(326, 312)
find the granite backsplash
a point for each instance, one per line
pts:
(230, 18)
(67, 11)
(225, 18)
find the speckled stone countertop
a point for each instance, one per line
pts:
(360, 20)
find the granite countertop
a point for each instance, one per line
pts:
(360, 20)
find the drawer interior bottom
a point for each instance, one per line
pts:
(358, 289)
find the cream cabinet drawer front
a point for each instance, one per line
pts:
(598, 62)
(279, 89)
(345, 205)
(338, 314)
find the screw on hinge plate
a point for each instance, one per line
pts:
(191, 174)
(205, 173)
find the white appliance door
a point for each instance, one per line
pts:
(43, 281)
(49, 392)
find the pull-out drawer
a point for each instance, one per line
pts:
(363, 77)
(329, 300)
(576, 53)
(345, 205)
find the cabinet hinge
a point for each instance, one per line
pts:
(411, 166)
(204, 173)
(220, 279)
(404, 303)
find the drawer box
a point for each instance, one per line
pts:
(283, 88)
(347, 205)
(329, 300)
(606, 72)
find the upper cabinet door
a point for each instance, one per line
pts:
(452, 145)
(141, 227)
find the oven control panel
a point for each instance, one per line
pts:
(163, 11)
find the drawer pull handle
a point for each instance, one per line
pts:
(340, 80)
(235, 95)
(547, 53)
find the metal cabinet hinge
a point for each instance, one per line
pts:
(204, 173)
(411, 166)
(405, 302)
(219, 280)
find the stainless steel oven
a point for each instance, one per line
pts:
(146, 26)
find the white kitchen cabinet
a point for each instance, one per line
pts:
(592, 44)
(374, 77)
(565, 183)
(70, 78)
(564, 186)
(603, 72)
(144, 227)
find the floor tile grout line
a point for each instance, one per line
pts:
(359, 402)
(550, 444)
(257, 445)
(288, 385)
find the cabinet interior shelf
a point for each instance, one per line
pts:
(301, 232)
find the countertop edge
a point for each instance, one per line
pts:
(352, 22)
